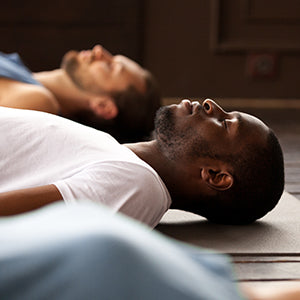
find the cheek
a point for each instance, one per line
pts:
(213, 132)
(99, 77)
(206, 141)
(206, 130)
(99, 71)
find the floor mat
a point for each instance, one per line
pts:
(277, 233)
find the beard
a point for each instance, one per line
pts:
(179, 143)
(170, 140)
(71, 66)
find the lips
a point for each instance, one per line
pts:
(196, 106)
(186, 105)
(86, 55)
(190, 107)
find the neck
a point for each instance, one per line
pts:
(70, 98)
(181, 178)
(148, 152)
(152, 155)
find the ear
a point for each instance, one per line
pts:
(220, 180)
(104, 107)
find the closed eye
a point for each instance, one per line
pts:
(225, 124)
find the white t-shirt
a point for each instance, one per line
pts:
(83, 163)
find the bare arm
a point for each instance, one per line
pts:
(24, 200)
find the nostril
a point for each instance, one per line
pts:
(206, 106)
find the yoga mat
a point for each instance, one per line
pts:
(276, 233)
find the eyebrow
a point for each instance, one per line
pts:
(240, 122)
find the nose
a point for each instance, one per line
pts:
(100, 53)
(212, 108)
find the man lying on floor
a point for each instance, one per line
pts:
(87, 252)
(109, 92)
(227, 167)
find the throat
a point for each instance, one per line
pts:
(70, 98)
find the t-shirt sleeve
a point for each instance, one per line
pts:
(126, 187)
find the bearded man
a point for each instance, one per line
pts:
(109, 92)
(225, 166)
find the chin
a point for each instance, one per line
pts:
(69, 60)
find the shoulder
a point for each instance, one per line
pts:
(128, 187)
(143, 194)
(29, 96)
(47, 101)
(140, 176)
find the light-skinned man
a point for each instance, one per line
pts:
(110, 92)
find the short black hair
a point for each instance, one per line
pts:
(257, 188)
(137, 110)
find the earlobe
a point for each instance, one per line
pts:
(104, 107)
(217, 179)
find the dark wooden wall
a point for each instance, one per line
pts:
(42, 31)
(224, 48)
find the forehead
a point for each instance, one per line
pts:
(251, 128)
(252, 123)
(130, 64)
